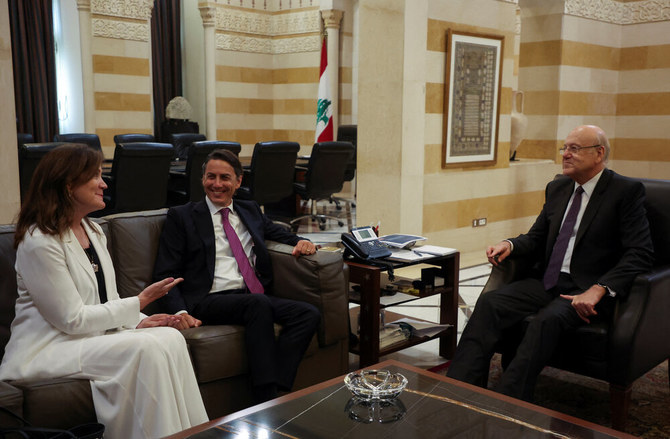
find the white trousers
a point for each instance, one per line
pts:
(142, 382)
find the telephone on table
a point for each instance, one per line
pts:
(363, 243)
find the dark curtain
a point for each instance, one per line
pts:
(166, 57)
(34, 64)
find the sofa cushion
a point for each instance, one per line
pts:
(135, 238)
(218, 351)
(44, 402)
(11, 398)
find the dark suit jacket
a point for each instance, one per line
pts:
(187, 250)
(613, 242)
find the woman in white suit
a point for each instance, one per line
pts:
(70, 321)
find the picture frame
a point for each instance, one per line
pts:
(472, 99)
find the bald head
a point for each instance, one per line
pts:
(586, 153)
(595, 134)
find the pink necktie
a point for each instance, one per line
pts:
(243, 264)
(561, 245)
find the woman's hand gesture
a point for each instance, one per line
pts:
(157, 290)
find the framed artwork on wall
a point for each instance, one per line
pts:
(471, 99)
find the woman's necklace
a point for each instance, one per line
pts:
(86, 245)
(90, 258)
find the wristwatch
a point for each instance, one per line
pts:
(608, 290)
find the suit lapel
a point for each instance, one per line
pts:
(595, 201)
(106, 264)
(76, 249)
(243, 214)
(205, 230)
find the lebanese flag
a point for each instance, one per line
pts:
(324, 111)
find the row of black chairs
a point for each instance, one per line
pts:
(271, 177)
(144, 176)
(180, 141)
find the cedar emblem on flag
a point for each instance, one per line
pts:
(324, 110)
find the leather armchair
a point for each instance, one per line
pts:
(182, 143)
(348, 133)
(269, 179)
(133, 138)
(23, 138)
(11, 399)
(186, 184)
(91, 140)
(635, 341)
(30, 155)
(139, 177)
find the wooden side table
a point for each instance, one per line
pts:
(368, 276)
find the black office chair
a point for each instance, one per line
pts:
(23, 138)
(186, 184)
(269, 178)
(348, 133)
(182, 142)
(133, 138)
(324, 177)
(91, 140)
(139, 177)
(30, 155)
(174, 126)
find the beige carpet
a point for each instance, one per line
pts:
(588, 399)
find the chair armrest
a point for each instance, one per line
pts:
(640, 325)
(317, 279)
(507, 271)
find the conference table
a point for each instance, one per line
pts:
(431, 406)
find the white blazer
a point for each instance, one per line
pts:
(58, 305)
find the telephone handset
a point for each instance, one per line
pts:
(364, 244)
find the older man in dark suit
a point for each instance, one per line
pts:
(589, 242)
(218, 247)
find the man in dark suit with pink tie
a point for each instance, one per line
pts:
(218, 246)
(589, 242)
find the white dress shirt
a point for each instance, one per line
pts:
(588, 187)
(227, 275)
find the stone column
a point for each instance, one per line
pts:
(85, 37)
(331, 22)
(391, 114)
(208, 14)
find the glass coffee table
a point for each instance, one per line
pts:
(431, 406)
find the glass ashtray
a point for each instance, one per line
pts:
(368, 411)
(375, 384)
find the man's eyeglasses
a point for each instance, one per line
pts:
(574, 149)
